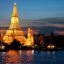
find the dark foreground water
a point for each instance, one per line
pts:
(32, 57)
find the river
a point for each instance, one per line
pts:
(32, 57)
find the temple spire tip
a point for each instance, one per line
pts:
(15, 3)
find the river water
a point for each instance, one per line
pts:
(32, 57)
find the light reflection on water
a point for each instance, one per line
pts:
(31, 57)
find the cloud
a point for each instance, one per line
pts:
(48, 24)
(4, 24)
(59, 32)
(55, 25)
(42, 23)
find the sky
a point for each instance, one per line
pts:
(29, 10)
(33, 9)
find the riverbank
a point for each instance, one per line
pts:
(44, 49)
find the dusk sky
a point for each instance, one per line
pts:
(31, 10)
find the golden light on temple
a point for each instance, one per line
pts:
(14, 31)
(30, 39)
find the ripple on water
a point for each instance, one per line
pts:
(31, 57)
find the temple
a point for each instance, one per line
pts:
(30, 39)
(14, 31)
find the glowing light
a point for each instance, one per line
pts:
(20, 51)
(14, 3)
(50, 46)
(3, 47)
(32, 51)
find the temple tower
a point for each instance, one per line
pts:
(14, 31)
(30, 39)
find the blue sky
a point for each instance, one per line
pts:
(32, 9)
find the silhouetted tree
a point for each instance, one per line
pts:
(59, 41)
(15, 45)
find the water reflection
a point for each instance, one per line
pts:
(26, 57)
(17, 57)
(12, 57)
(31, 57)
(51, 56)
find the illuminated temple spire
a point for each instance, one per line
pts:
(30, 39)
(15, 13)
(14, 31)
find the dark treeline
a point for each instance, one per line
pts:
(44, 41)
